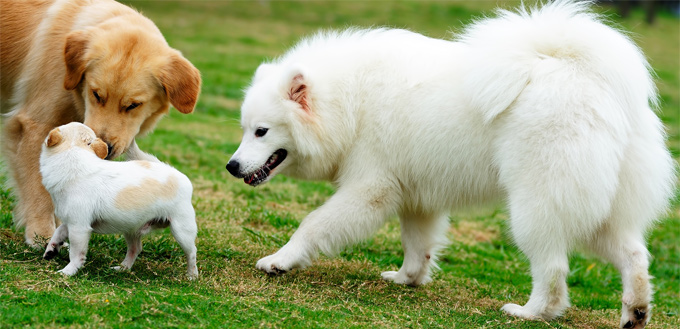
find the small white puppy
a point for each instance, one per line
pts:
(92, 194)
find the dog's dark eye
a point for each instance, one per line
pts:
(132, 107)
(261, 132)
(96, 96)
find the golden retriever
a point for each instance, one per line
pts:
(93, 61)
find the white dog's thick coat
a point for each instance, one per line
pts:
(95, 195)
(548, 109)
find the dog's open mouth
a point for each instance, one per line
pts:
(262, 174)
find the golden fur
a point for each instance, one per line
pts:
(92, 61)
(148, 192)
(144, 164)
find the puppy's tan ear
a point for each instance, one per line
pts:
(54, 138)
(100, 148)
(74, 56)
(299, 92)
(182, 83)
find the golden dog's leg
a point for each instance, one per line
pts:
(34, 209)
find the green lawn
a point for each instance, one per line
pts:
(481, 269)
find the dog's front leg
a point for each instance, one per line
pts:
(349, 216)
(78, 237)
(34, 209)
(134, 153)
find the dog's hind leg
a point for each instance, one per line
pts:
(421, 237)
(647, 183)
(559, 150)
(78, 237)
(56, 242)
(626, 250)
(134, 247)
(183, 228)
(549, 270)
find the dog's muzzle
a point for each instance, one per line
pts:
(233, 168)
(260, 175)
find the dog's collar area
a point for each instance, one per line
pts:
(261, 175)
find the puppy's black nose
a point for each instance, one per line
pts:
(232, 166)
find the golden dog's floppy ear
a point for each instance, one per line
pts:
(74, 56)
(182, 82)
(54, 138)
(100, 148)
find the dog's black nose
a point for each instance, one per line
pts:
(109, 155)
(232, 166)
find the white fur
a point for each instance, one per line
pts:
(84, 188)
(548, 109)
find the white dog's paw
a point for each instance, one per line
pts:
(192, 275)
(402, 278)
(392, 276)
(519, 311)
(120, 268)
(635, 317)
(283, 261)
(273, 264)
(68, 271)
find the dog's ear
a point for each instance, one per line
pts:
(298, 90)
(263, 70)
(182, 83)
(54, 138)
(74, 56)
(100, 148)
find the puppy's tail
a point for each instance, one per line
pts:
(507, 51)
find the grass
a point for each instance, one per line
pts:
(481, 269)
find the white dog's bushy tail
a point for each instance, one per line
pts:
(505, 50)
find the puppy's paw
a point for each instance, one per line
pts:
(52, 250)
(519, 311)
(50, 253)
(635, 317)
(120, 268)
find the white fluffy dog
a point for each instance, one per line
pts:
(548, 109)
(94, 195)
